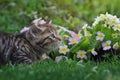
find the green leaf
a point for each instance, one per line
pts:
(81, 45)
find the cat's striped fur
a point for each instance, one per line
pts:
(29, 45)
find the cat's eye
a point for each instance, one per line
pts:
(52, 36)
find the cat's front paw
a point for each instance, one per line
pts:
(45, 56)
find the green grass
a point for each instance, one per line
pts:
(15, 14)
(49, 70)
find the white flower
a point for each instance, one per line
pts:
(73, 40)
(81, 54)
(97, 20)
(111, 20)
(94, 52)
(100, 36)
(115, 46)
(24, 29)
(106, 45)
(63, 49)
(87, 33)
(115, 35)
(84, 26)
(59, 58)
(108, 21)
(116, 27)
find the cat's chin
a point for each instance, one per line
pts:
(51, 47)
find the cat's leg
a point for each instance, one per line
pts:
(45, 56)
(23, 59)
(5, 55)
(19, 57)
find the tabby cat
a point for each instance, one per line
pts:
(28, 46)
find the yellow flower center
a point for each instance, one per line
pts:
(81, 55)
(74, 41)
(78, 35)
(114, 35)
(107, 45)
(106, 16)
(66, 35)
(118, 27)
(100, 36)
(116, 46)
(114, 19)
(64, 50)
(88, 33)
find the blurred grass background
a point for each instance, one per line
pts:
(15, 14)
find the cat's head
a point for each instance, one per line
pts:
(43, 36)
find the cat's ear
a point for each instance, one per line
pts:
(49, 22)
(32, 34)
(36, 21)
(39, 27)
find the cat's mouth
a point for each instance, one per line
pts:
(50, 46)
(44, 49)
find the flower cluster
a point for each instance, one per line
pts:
(75, 38)
(108, 21)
